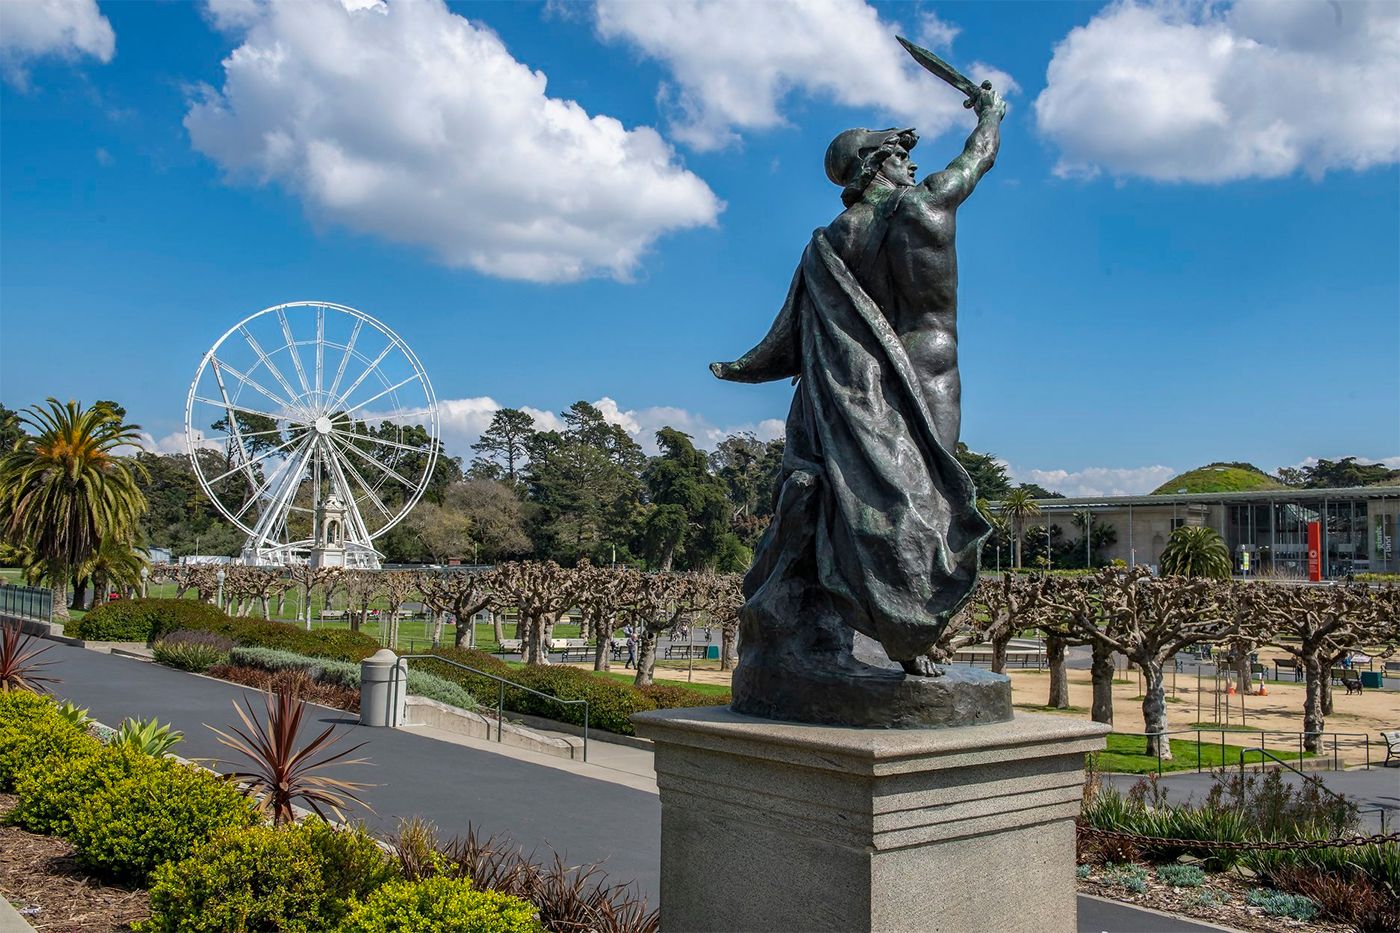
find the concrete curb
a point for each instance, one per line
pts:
(11, 920)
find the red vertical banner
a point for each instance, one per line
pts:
(1314, 551)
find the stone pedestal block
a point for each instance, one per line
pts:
(834, 828)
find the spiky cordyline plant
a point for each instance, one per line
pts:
(19, 669)
(283, 772)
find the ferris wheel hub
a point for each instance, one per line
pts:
(323, 425)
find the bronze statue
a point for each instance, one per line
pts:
(876, 528)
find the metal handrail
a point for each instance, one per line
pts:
(501, 683)
(1320, 785)
(1262, 733)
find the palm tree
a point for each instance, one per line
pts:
(63, 492)
(1196, 551)
(117, 563)
(1017, 507)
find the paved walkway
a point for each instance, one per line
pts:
(602, 811)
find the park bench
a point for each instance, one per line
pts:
(1392, 746)
(332, 613)
(510, 646)
(686, 651)
(1290, 664)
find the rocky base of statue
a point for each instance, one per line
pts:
(860, 686)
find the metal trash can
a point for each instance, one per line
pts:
(381, 692)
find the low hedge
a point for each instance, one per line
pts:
(151, 619)
(347, 674)
(158, 814)
(50, 789)
(297, 879)
(32, 730)
(144, 619)
(611, 702)
(440, 904)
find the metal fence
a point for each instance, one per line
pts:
(33, 603)
(1243, 752)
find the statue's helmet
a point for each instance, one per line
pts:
(845, 157)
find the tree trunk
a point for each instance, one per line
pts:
(1313, 717)
(729, 644)
(646, 658)
(266, 603)
(1016, 552)
(529, 643)
(1325, 685)
(306, 605)
(1102, 673)
(79, 594)
(999, 653)
(58, 602)
(1059, 680)
(354, 617)
(1154, 709)
(439, 620)
(1244, 677)
(602, 652)
(497, 627)
(281, 604)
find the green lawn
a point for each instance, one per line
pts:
(1127, 754)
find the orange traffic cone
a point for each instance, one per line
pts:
(1230, 691)
(1263, 691)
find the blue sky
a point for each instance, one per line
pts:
(1189, 249)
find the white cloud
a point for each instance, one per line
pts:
(412, 123)
(1185, 90)
(735, 63)
(32, 29)
(464, 419)
(1098, 481)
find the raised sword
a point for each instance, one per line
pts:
(937, 66)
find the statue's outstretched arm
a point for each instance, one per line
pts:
(779, 354)
(952, 185)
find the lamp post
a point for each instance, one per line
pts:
(145, 576)
(220, 577)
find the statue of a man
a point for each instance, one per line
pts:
(876, 528)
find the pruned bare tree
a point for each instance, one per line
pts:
(398, 586)
(462, 593)
(1147, 620)
(603, 593)
(541, 591)
(362, 587)
(307, 578)
(1002, 608)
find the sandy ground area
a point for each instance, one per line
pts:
(1282, 710)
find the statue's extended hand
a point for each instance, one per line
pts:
(722, 370)
(989, 100)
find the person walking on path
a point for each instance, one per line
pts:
(631, 651)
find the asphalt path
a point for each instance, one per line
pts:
(454, 786)
(583, 819)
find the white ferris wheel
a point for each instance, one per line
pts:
(312, 426)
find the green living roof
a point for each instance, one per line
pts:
(1220, 477)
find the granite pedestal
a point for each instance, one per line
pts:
(835, 828)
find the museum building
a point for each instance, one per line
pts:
(1267, 531)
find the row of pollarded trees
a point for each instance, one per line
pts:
(1150, 619)
(541, 592)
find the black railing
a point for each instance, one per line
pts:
(26, 602)
(1261, 750)
(501, 684)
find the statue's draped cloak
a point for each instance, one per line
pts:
(872, 508)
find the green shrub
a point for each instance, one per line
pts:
(158, 814)
(440, 904)
(1130, 877)
(144, 619)
(670, 696)
(1181, 876)
(192, 650)
(1210, 897)
(347, 674)
(296, 879)
(1278, 904)
(50, 789)
(147, 736)
(31, 730)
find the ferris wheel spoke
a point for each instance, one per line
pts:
(372, 367)
(320, 348)
(214, 439)
(292, 349)
(267, 362)
(233, 424)
(291, 476)
(349, 349)
(262, 489)
(338, 479)
(379, 440)
(410, 413)
(407, 484)
(234, 406)
(247, 380)
(397, 385)
(258, 459)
